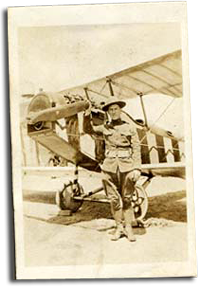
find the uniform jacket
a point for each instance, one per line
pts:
(122, 148)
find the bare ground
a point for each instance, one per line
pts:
(84, 237)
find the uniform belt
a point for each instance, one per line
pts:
(118, 153)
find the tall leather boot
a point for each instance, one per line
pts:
(129, 218)
(120, 229)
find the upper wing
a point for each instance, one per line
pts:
(161, 75)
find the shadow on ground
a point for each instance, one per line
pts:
(170, 206)
(89, 211)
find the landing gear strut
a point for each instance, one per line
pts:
(72, 196)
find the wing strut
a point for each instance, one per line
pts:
(110, 86)
(86, 93)
(143, 108)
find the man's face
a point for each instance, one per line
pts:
(114, 111)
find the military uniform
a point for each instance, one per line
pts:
(122, 157)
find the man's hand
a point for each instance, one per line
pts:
(136, 175)
(88, 110)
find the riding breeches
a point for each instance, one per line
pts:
(119, 188)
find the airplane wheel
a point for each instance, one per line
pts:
(65, 200)
(140, 202)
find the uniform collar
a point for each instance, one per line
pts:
(114, 122)
(118, 121)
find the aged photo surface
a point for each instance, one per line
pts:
(101, 141)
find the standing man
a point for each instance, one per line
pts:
(121, 166)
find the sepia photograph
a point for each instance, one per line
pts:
(101, 141)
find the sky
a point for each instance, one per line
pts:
(59, 57)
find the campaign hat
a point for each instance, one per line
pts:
(113, 100)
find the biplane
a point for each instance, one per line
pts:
(162, 152)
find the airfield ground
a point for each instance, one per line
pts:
(48, 244)
(84, 237)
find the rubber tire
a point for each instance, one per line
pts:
(143, 208)
(65, 201)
